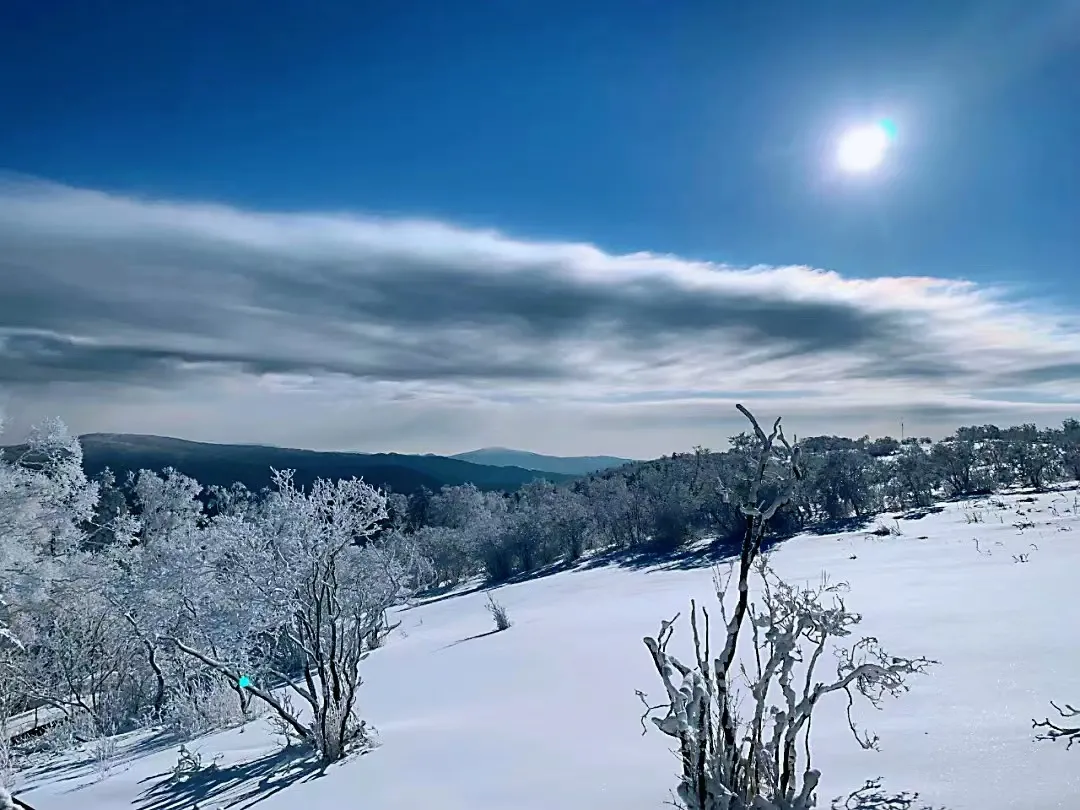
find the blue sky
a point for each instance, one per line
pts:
(702, 130)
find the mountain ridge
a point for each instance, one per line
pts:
(223, 464)
(564, 465)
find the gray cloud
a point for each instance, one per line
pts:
(206, 290)
(1068, 372)
(42, 359)
(102, 291)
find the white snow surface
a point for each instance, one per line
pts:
(544, 715)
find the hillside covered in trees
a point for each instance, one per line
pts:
(250, 465)
(662, 507)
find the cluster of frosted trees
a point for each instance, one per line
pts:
(660, 506)
(169, 615)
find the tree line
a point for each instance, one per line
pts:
(662, 506)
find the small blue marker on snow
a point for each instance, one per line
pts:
(244, 681)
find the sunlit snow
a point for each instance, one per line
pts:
(545, 715)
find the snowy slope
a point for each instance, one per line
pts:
(545, 715)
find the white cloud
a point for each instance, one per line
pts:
(328, 330)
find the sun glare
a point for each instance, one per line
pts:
(863, 148)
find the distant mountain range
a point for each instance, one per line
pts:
(563, 465)
(224, 464)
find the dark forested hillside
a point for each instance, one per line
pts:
(224, 464)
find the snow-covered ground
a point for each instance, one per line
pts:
(544, 715)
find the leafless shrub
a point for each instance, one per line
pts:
(498, 613)
(103, 751)
(884, 530)
(871, 797)
(280, 727)
(189, 763)
(73, 730)
(202, 705)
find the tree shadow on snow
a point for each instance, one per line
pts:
(442, 593)
(237, 786)
(842, 525)
(644, 558)
(55, 771)
(471, 638)
(453, 592)
(701, 555)
(651, 559)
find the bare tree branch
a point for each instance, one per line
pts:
(1054, 731)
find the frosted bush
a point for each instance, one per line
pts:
(103, 750)
(203, 705)
(498, 614)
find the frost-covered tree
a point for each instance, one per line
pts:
(168, 505)
(912, 478)
(44, 500)
(1068, 440)
(165, 584)
(79, 655)
(66, 646)
(235, 499)
(309, 581)
(451, 552)
(839, 483)
(957, 462)
(476, 522)
(616, 514)
(731, 762)
(112, 507)
(1034, 456)
(995, 459)
(44, 493)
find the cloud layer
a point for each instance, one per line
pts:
(336, 331)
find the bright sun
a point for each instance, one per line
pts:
(863, 148)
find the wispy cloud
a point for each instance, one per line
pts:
(220, 323)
